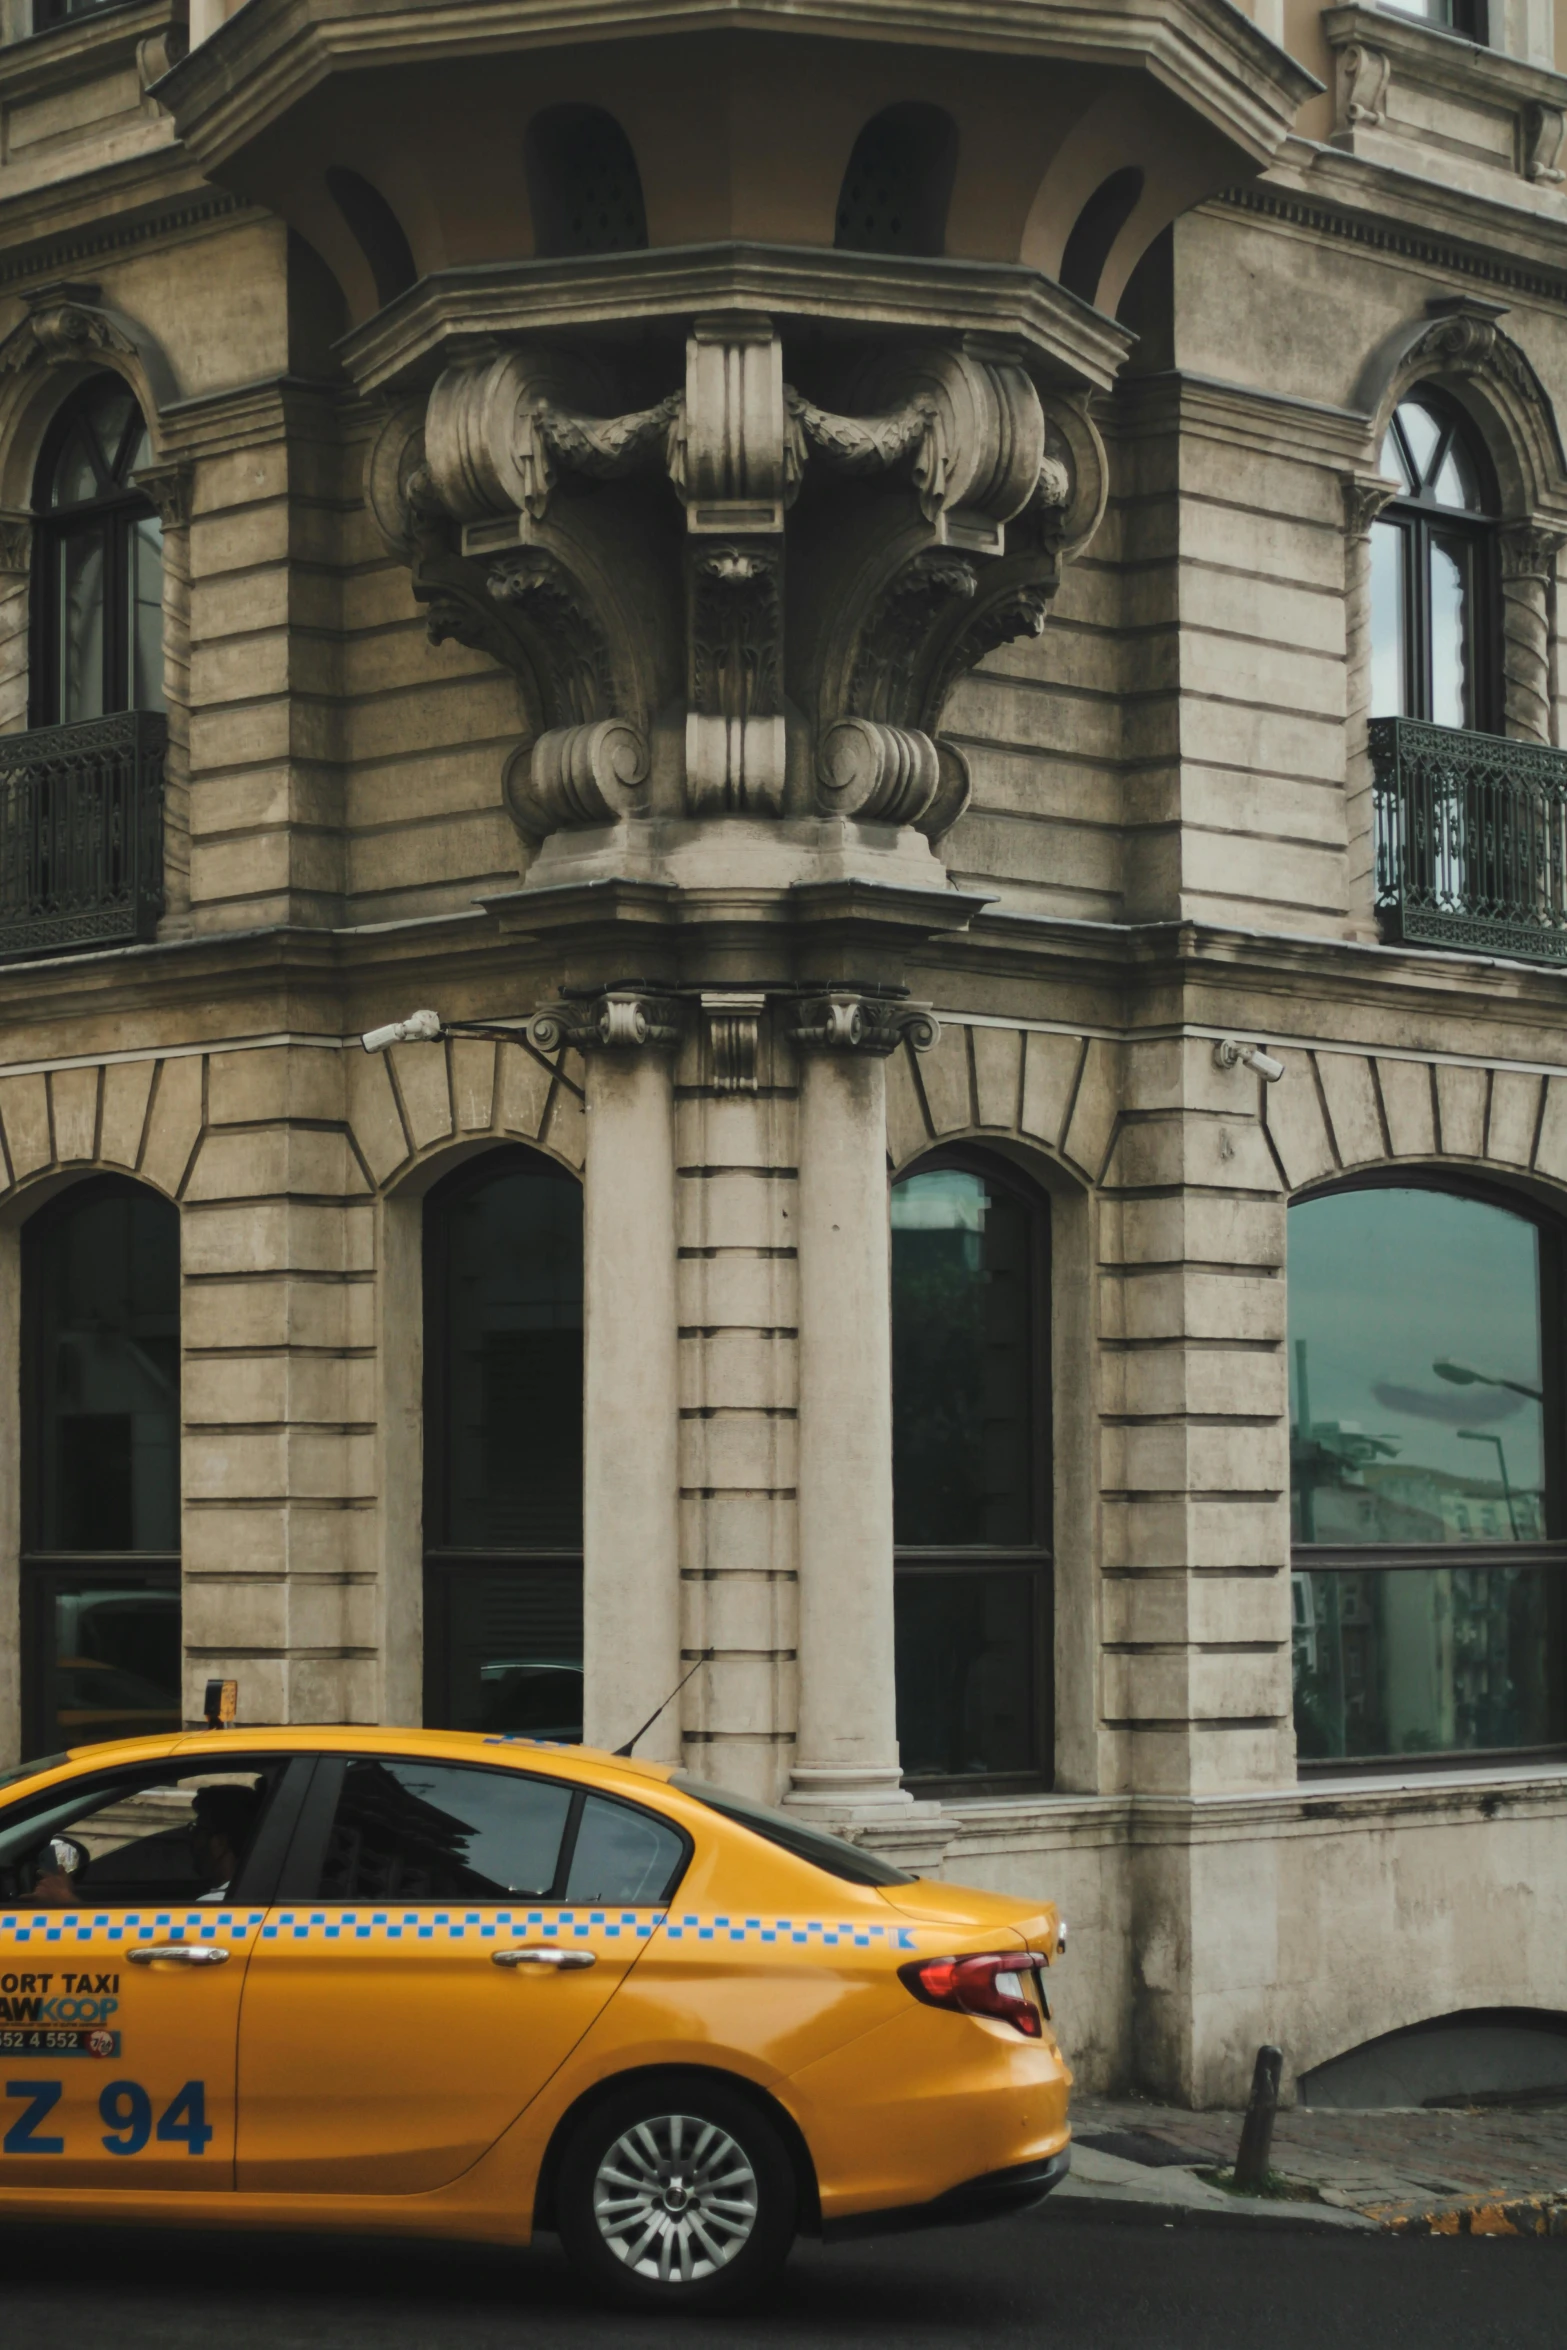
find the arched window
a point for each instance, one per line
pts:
(1426, 1429)
(100, 1455)
(971, 1473)
(98, 563)
(503, 1448)
(898, 185)
(1433, 597)
(583, 184)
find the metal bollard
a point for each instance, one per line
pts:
(1251, 2160)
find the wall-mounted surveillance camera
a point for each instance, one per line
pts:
(418, 1028)
(1232, 1053)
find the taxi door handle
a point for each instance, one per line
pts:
(180, 1953)
(568, 1961)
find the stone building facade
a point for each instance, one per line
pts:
(962, 599)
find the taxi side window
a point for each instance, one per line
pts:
(403, 1829)
(622, 1855)
(418, 1831)
(130, 1838)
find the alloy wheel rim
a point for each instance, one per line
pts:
(675, 2198)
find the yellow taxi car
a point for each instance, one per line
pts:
(476, 1987)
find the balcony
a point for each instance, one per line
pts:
(1471, 840)
(81, 834)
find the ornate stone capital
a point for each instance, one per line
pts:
(16, 544)
(169, 488)
(842, 1020)
(1365, 495)
(621, 1019)
(1529, 550)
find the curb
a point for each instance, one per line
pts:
(1127, 2207)
(1531, 2215)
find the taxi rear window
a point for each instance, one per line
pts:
(806, 1843)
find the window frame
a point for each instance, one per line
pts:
(1390, 1557)
(444, 1562)
(1418, 520)
(117, 513)
(300, 1872)
(1035, 1559)
(43, 1574)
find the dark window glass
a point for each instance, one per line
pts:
(795, 1835)
(162, 1835)
(583, 183)
(898, 185)
(101, 1507)
(430, 1831)
(622, 1855)
(503, 1449)
(1432, 566)
(1424, 1419)
(98, 585)
(1417, 1410)
(970, 1387)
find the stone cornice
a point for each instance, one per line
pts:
(1239, 416)
(405, 343)
(82, 48)
(1445, 60)
(272, 53)
(145, 200)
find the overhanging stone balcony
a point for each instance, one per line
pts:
(81, 834)
(1471, 840)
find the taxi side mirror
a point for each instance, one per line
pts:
(66, 1856)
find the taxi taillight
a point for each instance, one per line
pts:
(990, 1983)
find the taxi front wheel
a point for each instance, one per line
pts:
(678, 2194)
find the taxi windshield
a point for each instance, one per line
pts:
(806, 1843)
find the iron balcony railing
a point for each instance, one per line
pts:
(1471, 840)
(81, 833)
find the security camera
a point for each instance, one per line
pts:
(418, 1028)
(1232, 1053)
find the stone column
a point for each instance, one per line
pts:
(169, 488)
(1528, 575)
(630, 1532)
(847, 1754)
(1364, 498)
(16, 556)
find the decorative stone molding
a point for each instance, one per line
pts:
(1365, 495)
(970, 492)
(16, 544)
(63, 324)
(1409, 95)
(734, 1029)
(1363, 76)
(621, 1019)
(843, 1020)
(169, 487)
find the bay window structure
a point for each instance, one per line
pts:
(100, 1455)
(971, 1482)
(1430, 1569)
(503, 1448)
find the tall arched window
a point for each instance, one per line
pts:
(1433, 595)
(503, 1448)
(100, 1454)
(583, 184)
(1426, 1426)
(98, 563)
(898, 185)
(971, 1473)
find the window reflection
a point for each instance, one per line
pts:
(100, 563)
(1416, 1405)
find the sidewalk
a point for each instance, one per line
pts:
(1490, 2171)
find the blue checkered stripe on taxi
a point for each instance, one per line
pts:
(460, 1925)
(822, 1932)
(132, 1925)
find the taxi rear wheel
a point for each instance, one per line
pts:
(678, 2194)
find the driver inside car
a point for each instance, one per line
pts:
(223, 1819)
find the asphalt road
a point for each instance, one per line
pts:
(1052, 2281)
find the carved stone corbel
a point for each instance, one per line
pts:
(1544, 128)
(1365, 495)
(843, 1020)
(63, 324)
(169, 487)
(735, 732)
(1363, 77)
(621, 1019)
(734, 1029)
